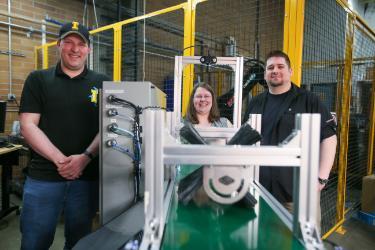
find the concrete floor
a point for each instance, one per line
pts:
(358, 234)
(10, 236)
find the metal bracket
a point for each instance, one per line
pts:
(13, 53)
(311, 236)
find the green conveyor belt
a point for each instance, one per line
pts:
(211, 226)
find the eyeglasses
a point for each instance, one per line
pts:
(202, 96)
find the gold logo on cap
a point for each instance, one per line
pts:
(75, 25)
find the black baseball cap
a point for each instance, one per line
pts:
(74, 28)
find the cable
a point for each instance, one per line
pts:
(15, 100)
(84, 13)
(96, 18)
(196, 45)
(113, 127)
(135, 136)
(153, 107)
(114, 99)
(113, 144)
(113, 112)
(124, 150)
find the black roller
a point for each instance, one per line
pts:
(191, 183)
(246, 135)
(248, 201)
(191, 135)
(188, 186)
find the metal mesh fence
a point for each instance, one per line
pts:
(149, 49)
(153, 59)
(322, 73)
(237, 28)
(102, 52)
(53, 55)
(362, 84)
(158, 5)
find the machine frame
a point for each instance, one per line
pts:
(163, 152)
(236, 63)
(302, 151)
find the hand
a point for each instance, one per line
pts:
(321, 186)
(61, 161)
(72, 167)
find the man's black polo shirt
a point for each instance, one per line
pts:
(69, 115)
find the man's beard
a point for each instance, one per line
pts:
(275, 84)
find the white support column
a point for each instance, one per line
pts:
(256, 123)
(154, 177)
(238, 92)
(308, 181)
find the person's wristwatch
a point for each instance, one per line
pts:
(88, 154)
(322, 181)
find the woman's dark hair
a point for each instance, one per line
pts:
(191, 113)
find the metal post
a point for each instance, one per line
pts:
(293, 36)
(344, 122)
(238, 89)
(371, 140)
(117, 48)
(256, 123)
(189, 42)
(176, 116)
(305, 212)
(9, 51)
(154, 178)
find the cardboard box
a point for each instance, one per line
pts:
(368, 194)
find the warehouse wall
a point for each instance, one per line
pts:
(23, 41)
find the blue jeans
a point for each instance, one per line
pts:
(43, 202)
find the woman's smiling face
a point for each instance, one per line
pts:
(202, 101)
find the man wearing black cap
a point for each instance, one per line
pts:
(60, 121)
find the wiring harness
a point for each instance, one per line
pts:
(134, 134)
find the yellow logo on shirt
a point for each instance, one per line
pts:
(94, 95)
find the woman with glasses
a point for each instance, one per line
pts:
(203, 110)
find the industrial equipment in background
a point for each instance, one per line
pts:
(253, 75)
(121, 143)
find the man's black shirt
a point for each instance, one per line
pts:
(68, 115)
(271, 108)
(278, 124)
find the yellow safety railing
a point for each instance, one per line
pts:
(344, 124)
(293, 36)
(44, 48)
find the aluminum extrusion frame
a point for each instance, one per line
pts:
(301, 151)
